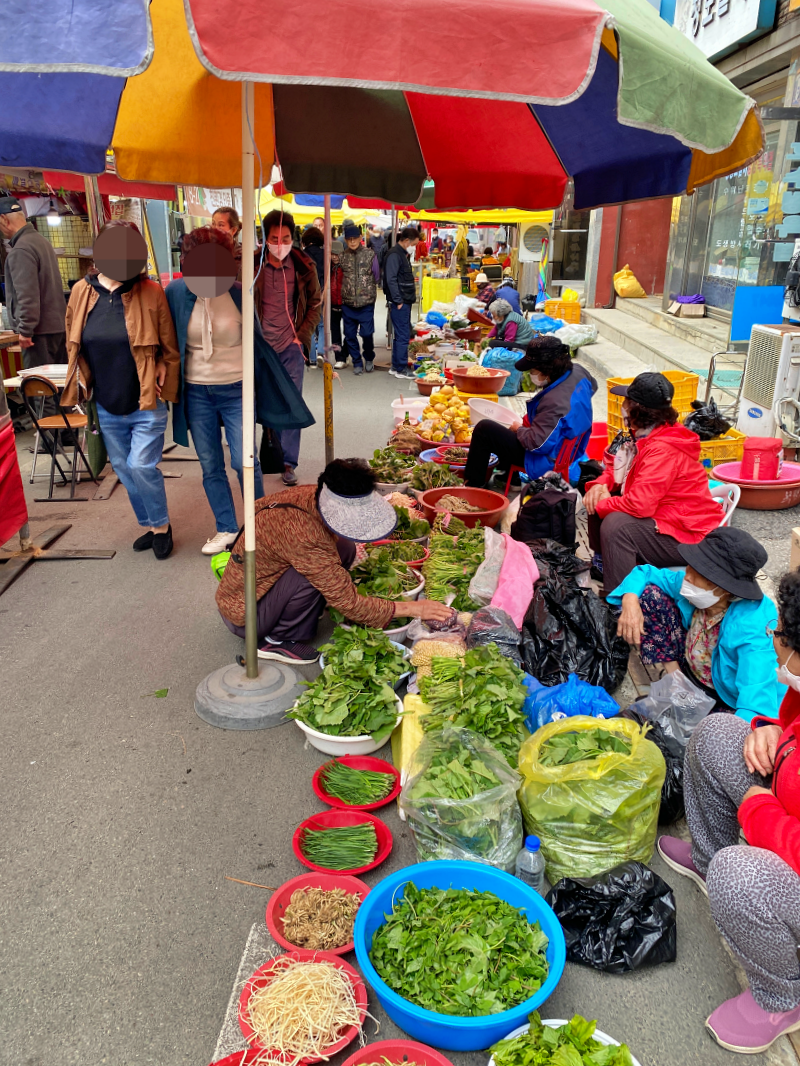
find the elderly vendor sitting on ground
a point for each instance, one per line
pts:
(305, 543)
(511, 330)
(709, 620)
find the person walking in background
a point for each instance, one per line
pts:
(437, 244)
(338, 342)
(34, 289)
(289, 305)
(401, 294)
(121, 342)
(319, 223)
(360, 275)
(314, 246)
(208, 321)
(421, 250)
(227, 220)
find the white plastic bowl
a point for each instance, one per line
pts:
(414, 407)
(554, 1023)
(398, 633)
(333, 745)
(479, 409)
(414, 594)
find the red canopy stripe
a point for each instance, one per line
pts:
(111, 185)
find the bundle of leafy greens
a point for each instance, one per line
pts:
(433, 476)
(484, 693)
(571, 1044)
(459, 952)
(451, 566)
(400, 551)
(453, 773)
(581, 746)
(389, 465)
(379, 575)
(409, 527)
(354, 694)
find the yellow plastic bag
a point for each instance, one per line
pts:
(570, 296)
(626, 284)
(407, 737)
(594, 814)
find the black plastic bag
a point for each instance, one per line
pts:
(672, 804)
(619, 921)
(706, 421)
(270, 454)
(491, 625)
(569, 630)
(553, 557)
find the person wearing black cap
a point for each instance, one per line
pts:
(560, 411)
(34, 289)
(360, 275)
(708, 620)
(655, 495)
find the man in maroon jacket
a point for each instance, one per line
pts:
(748, 775)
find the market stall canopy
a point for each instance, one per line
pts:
(609, 95)
(111, 185)
(303, 215)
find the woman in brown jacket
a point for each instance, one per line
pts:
(121, 342)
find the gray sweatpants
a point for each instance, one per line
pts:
(754, 894)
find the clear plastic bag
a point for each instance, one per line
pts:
(485, 826)
(676, 704)
(455, 629)
(576, 334)
(484, 584)
(593, 814)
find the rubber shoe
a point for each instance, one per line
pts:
(369, 365)
(339, 364)
(677, 854)
(220, 542)
(739, 1024)
(289, 651)
(145, 542)
(358, 370)
(289, 476)
(162, 544)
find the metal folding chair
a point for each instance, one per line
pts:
(51, 427)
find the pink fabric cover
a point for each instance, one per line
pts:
(518, 574)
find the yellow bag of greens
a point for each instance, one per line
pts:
(626, 284)
(595, 813)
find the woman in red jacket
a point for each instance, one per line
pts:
(748, 775)
(657, 496)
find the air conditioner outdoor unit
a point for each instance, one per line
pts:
(530, 242)
(771, 387)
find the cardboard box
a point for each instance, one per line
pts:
(794, 560)
(686, 310)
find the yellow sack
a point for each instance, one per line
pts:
(626, 284)
(570, 296)
(592, 815)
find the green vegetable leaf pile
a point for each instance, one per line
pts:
(354, 694)
(459, 952)
(580, 746)
(389, 466)
(484, 693)
(454, 773)
(433, 476)
(572, 1044)
(400, 551)
(380, 576)
(451, 566)
(409, 528)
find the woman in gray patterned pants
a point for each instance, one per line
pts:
(754, 891)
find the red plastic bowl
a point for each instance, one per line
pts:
(358, 762)
(240, 1058)
(482, 386)
(774, 495)
(262, 977)
(492, 505)
(398, 1053)
(281, 897)
(335, 820)
(415, 564)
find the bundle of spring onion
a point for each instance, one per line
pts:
(301, 1010)
(343, 848)
(451, 566)
(355, 787)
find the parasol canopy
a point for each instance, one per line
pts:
(605, 93)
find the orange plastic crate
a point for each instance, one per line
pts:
(727, 449)
(685, 391)
(569, 310)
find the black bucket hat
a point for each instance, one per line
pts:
(730, 558)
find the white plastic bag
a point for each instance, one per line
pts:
(484, 584)
(576, 334)
(463, 303)
(676, 704)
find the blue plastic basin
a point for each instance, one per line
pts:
(455, 1033)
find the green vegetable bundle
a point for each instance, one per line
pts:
(451, 566)
(409, 528)
(484, 693)
(578, 747)
(378, 575)
(354, 694)
(461, 800)
(353, 786)
(459, 952)
(389, 466)
(400, 551)
(433, 476)
(571, 1044)
(344, 848)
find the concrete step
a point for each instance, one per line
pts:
(647, 343)
(604, 359)
(707, 333)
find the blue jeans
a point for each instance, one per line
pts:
(294, 363)
(318, 342)
(401, 325)
(355, 319)
(206, 407)
(135, 444)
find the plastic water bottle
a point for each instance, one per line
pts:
(530, 864)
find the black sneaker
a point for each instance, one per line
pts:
(289, 476)
(162, 544)
(289, 651)
(145, 542)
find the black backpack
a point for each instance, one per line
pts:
(548, 513)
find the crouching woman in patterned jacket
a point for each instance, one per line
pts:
(741, 774)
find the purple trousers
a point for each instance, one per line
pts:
(292, 607)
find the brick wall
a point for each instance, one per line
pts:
(784, 14)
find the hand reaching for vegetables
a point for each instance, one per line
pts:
(428, 610)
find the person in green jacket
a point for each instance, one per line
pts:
(510, 329)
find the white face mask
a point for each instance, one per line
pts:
(538, 380)
(786, 677)
(280, 251)
(699, 598)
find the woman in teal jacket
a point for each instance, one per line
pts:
(710, 618)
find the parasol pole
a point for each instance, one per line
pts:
(327, 368)
(248, 380)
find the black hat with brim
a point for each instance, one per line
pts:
(649, 389)
(730, 558)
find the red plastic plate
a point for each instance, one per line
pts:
(281, 898)
(334, 820)
(398, 1053)
(358, 762)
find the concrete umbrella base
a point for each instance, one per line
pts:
(229, 699)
